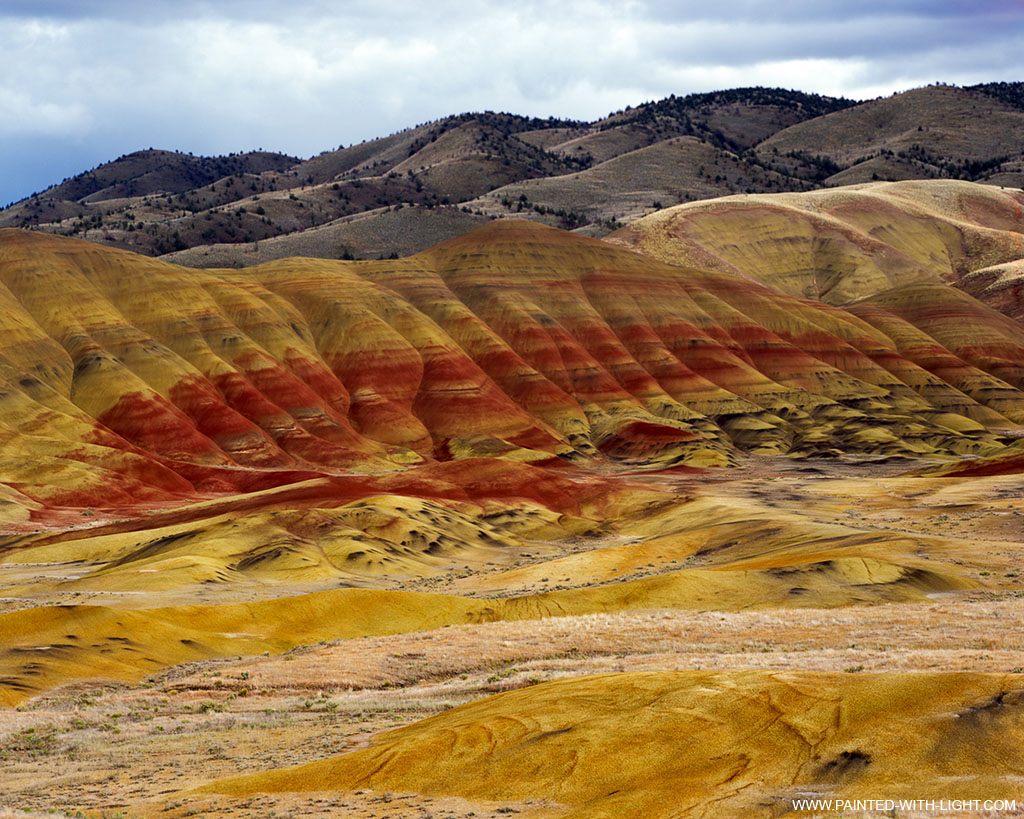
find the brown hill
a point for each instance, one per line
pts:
(631, 184)
(398, 230)
(938, 131)
(150, 171)
(584, 176)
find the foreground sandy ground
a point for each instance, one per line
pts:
(140, 748)
(108, 747)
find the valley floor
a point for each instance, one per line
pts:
(822, 627)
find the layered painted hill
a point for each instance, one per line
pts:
(405, 192)
(129, 380)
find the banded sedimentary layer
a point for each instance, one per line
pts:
(129, 381)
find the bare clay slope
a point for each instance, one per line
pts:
(144, 382)
(696, 744)
(850, 243)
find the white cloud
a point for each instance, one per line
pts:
(22, 115)
(104, 77)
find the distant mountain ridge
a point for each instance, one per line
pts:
(150, 171)
(399, 194)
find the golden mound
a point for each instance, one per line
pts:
(421, 522)
(703, 556)
(999, 286)
(47, 646)
(696, 743)
(842, 244)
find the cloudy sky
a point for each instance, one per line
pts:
(83, 81)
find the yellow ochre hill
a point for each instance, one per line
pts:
(699, 744)
(844, 244)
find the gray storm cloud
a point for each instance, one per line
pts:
(82, 82)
